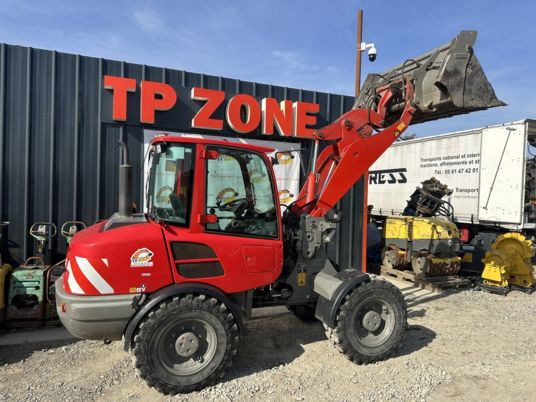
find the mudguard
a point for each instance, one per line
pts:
(332, 287)
(174, 290)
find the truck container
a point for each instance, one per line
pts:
(491, 170)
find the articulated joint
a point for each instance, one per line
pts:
(314, 233)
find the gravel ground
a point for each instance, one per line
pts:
(466, 345)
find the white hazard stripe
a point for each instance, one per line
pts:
(93, 276)
(71, 281)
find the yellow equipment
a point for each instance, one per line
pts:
(430, 244)
(508, 264)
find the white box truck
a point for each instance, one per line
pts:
(491, 170)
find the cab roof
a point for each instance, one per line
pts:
(225, 143)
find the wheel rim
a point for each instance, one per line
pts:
(420, 264)
(187, 346)
(374, 322)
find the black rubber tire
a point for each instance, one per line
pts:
(342, 333)
(146, 358)
(305, 313)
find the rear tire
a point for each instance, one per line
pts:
(370, 323)
(185, 344)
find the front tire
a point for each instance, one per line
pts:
(185, 344)
(370, 323)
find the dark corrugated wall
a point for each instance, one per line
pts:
(58, 162)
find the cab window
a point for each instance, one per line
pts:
(240, 192)
(170, 182)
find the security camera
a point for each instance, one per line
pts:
(372, 53)
(371, 50)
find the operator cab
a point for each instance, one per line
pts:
(239, 191)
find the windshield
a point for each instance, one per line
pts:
(170, 182)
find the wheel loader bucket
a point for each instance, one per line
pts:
(448, 81)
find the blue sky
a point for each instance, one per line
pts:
(303, 44)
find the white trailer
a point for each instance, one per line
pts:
(492, 171)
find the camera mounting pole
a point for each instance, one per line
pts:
(358, 53)
(361, 47)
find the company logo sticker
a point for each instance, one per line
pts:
(139, 289)
(285, 196)
(142, 257)
(284, 158)
(226, 195)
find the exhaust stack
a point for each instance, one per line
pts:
(448, 81)
(125, 183)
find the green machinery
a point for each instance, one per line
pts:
(26, 294)
(31, 292)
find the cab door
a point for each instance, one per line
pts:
(234, 240)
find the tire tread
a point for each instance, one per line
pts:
(181, 303)
(337, 335)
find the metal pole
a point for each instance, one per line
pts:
(363, 242)
(358, 53)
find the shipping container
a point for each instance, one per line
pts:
(491, 170)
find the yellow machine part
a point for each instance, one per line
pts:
(4, 270)
(434, 241)
(509, 262)
(446, 260)
(467, 257)
(397, 227)
(436, 266)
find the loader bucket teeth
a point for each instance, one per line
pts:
(448, 81)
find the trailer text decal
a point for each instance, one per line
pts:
(389, 176)
(212, 110)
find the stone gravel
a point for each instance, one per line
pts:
(464, 345)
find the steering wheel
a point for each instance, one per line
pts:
(234, 206)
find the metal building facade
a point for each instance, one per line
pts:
(59, 159)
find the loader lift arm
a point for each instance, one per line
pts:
(443, 82)
(341, 164)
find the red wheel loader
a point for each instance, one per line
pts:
(176, 283)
